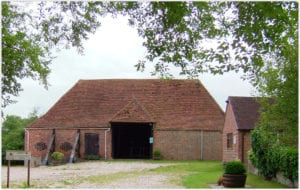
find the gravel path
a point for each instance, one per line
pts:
(136, 175)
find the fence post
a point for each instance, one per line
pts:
(8, 167)
(28, 173)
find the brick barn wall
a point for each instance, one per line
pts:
(179, 145)
(101, 133)
(212, 149)
(186, 145)
(37, 136)
(230, 127)
(64, 136)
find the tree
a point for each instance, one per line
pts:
(22, 56)
(199, 37)
(13, 132)
(29, 36)
(243, 34)
(281, 117)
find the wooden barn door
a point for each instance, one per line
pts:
(91, 145)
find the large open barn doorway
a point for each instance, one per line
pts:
(131, 140)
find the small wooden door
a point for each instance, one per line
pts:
(91, 145)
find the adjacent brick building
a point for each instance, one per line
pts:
(241, 116)
(131, 118)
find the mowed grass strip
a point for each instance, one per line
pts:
(200, 174)
(195, 174)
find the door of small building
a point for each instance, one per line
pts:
(91, 145)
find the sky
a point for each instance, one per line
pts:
(110, 53)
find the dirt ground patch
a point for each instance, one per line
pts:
(93, 174)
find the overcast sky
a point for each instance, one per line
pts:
(110, 53)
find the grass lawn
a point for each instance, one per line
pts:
(199, 174)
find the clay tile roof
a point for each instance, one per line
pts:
(133, 111)
(245, 110)
(170, 104)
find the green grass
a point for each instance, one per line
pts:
(200, 174)
(258, 182)
(195, 174)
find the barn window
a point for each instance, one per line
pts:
(66, 146)
(40, 146)
(229, 140)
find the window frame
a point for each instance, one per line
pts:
(229, 140)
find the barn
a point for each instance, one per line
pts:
(129, 119)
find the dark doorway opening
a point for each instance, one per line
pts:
(131, 140)
(91, 145)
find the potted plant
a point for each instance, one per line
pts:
(156, 154)
(234, 175)
(57, 158)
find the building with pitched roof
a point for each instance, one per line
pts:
(241, 116)
(130, 118)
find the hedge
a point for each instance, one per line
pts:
(288, 162)
(269, 158)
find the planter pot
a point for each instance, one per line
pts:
(230, 180)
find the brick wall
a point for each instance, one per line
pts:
(37, 137)
(247, 146)
(63, 136)
(186, 145)
(230, 127)
(101, 133)
(212, 145)
(235, 153)
(179, 145)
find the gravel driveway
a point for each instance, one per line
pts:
(94, 174)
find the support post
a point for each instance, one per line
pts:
(8, 168)
(201, 145)
(28, 173)
(105, 138)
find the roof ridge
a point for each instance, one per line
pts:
(244, 96)
(137, 79)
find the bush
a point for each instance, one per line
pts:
(288, 162)
(13, 134)
(270, 158)
(57, 155)
(235, 168)
(157, 152)
(263, 156)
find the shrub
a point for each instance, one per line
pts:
(235, 168)
(288, 162)
(157, 152)
(270, 158)
(263, 156)
(57, 155)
